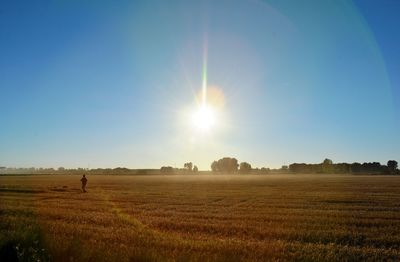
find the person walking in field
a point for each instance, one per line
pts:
(84, 182)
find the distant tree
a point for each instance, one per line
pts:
(120, 170)
(195, 169)
(392, 166)
(225, 165)
(284, 168)
(327, 166)
(214, 166)
(50, 170)
(244, 168)
(372, 168)
(342, 168)
(61, 169)
(355, 167)
(188, 166)
(264, 170)
(302, 168)
(167, 169)
(141, 172)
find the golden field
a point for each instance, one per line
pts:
(201, 218)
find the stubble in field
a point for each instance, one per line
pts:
(202, 218)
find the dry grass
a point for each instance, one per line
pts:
(202, 218)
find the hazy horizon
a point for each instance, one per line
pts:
(98, 84)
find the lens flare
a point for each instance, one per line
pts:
(204, 76)
(210, 101)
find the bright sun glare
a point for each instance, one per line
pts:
(204, 118)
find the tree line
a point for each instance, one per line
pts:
(227, 165)
(230, 165)
(327, 166)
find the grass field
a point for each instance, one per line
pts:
(201, 218)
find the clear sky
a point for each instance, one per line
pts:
(113, 83)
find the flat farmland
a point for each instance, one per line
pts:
(201, 218)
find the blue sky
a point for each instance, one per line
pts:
(105, 84)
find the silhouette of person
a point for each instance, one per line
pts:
(84, 182)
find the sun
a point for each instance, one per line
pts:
(204, 118)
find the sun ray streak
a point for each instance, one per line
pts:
(204, 76)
